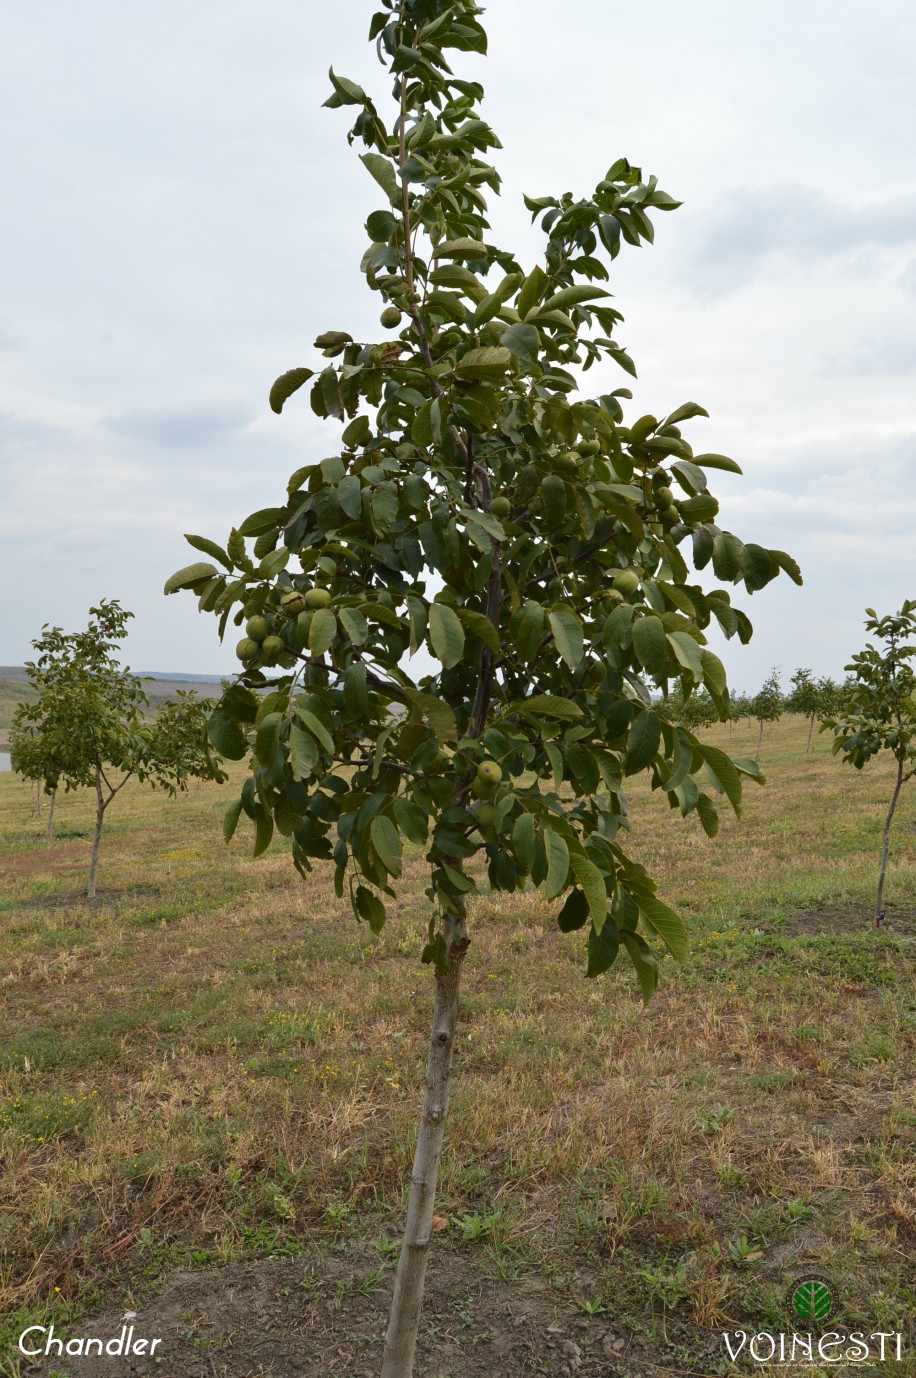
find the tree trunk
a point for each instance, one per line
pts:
(810, 733)
(879, 902)
(759, 742)
(96, 837)
(404, 1318)
(51, 815)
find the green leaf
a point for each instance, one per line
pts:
(316, 727)
(726, 556)
(259, 523)
(717, 462)
(574, 914)
(603, 946)
(567, 633)
(644, 962)
(303, 753)
(713, 673)
(412, 821)
(383, 172)
(357, 433)
(350, 496)
(386, 843)
(322, 631)
(486, 364)
(481, 626)
(785, 562)
(209, 548)
(189, 576)
(572, 296)
(231, 818)
(355, 625)
(226, 736)
(419, 622)
(547, 706)
(461, 248)
(523, 844)
(706, 811)
(722, 774)
(267, 738)
(591, 881)
(263, 829)
(531, 291)
(438, 714)
(649, 645)
(370, 908)
(556, 764)
(684, 413)
(643, 740)
(355, 691)
(446, 634)
(756, 567)
(688, 653)
(557, 863)
(286, 385)
(527, 629)
(350, 93)
(524, 342)
(666, 923)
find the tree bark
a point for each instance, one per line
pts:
(51, 815)
(879, 901)
(97, 836)
(404, 1317)
(810, 733)
(759, 742)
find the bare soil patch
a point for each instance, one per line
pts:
(841, 920)
(58, 856)
(307, 1317)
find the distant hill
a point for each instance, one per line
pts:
(185, 679)
(14, 688)
(18, 674)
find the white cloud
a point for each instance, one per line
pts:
(184, 218)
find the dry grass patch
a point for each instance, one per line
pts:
(216, 1063)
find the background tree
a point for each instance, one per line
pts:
(31, 756)
(89, 725)
(804, 698)
(693, 710)
(767, 705)
(830, 696)
(484, 511)
(879, 712)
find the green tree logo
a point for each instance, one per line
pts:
(811, 1298)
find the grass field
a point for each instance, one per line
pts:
(216, 1064)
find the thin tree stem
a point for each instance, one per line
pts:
(879, 901)
(404, 1318)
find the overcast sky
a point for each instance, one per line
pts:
(181, 219)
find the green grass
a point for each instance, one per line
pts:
(217, 1061)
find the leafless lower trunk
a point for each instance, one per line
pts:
(810, 734)
(51, 815)
(759, 742)
(879, 902)
(97, 835)
(404, 1318)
